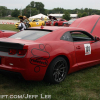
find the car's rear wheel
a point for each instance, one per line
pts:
(56, 71)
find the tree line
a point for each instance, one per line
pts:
(38, 7)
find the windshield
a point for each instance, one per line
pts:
(71, 21)
(30, 20)
(29, 34)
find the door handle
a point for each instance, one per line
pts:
(78, 47)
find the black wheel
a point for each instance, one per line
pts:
(56, 24)
(29, 25)
(64, 25)
(42, 24)
(56, 71)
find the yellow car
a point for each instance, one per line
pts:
(16, 25)
(31, 22)
(36, 22)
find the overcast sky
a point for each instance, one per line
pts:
(50, 4)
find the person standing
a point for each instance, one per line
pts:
(26, 21)
(21, 25)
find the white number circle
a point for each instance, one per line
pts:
(37, 23)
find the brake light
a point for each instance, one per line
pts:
(22, 52)
(12, 51)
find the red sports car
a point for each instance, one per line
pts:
(56, 22)
(90, 23)
(49, 52)
(6, 33)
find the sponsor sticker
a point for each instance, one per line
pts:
(87, 49)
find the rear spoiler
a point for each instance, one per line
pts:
(11, 45)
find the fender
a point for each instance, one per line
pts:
(58, 52)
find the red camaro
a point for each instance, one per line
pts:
(6, 33)
(49, 52)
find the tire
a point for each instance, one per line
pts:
(56, 71)
(29, 25)
(42, 24)
(56, 24)
(63, 25)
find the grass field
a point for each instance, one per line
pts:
(81, 85)
(8, 27)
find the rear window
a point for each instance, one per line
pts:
(29, 34)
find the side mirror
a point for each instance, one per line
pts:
(97, 39)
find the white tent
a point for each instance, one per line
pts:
(60, 15)
(39, 16)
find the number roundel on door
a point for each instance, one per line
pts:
(37, 23)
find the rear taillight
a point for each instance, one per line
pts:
(19, 52)
(12, 51)
(22, 52)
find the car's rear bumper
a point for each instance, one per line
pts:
(11, 74)
(28, 73)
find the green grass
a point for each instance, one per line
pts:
(8, 27)
(80, 85)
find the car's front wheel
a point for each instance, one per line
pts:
(57, 70)
(29, 25)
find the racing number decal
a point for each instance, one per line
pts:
(37, 23)
(87, 49)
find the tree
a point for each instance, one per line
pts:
(39, 6)
(27, 12)
(15, 13)
(79, 15)
(58, 10)
(84, 14)
(8, 12)
(66, 15)
(3, 10)
(75, 11)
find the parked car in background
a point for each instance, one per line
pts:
(68, 23)
(36, 22)
(17, 24)
(56, 22)
(31, 22)
(6, 33)
(59, 22)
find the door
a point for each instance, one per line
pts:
(86, 49)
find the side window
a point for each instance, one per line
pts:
(62, 20)
(67, 37)
(81, 36)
